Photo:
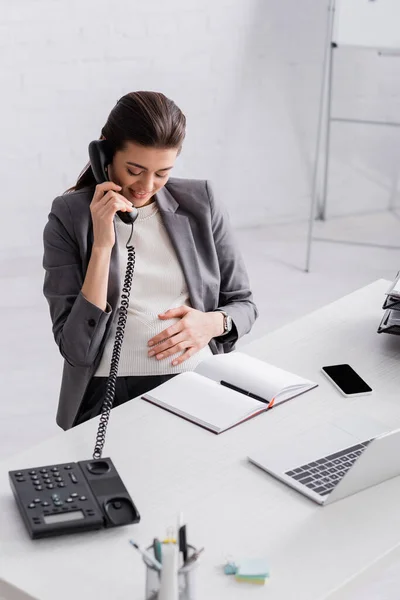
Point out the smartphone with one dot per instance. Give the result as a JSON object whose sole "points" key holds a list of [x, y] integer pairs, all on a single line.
{"points": [[99, 155], [346, 380]]}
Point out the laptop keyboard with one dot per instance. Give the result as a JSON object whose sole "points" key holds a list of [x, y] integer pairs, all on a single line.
{"points": [[324, 474]]}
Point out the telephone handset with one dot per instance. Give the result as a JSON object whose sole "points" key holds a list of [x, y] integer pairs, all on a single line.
{"points": [[99, 155], [74, 497]]}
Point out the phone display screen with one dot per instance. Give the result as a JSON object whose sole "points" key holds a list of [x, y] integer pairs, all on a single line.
{"points": [[63, 517], [347, 379]]}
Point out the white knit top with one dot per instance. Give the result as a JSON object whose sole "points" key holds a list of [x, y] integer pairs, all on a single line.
{"points": [[158, 284]]}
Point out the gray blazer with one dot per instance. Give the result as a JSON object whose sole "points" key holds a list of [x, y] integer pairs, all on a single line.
{"points": [[201, 235]]}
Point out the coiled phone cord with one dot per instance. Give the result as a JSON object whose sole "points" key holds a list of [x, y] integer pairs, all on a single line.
{"points": [[116, 353]]}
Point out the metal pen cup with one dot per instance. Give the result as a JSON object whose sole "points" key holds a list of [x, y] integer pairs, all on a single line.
{"points": [[186, 577]]}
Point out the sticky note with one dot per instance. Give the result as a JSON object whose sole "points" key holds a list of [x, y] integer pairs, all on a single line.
{"points": [[253, 567], [254, 580]]}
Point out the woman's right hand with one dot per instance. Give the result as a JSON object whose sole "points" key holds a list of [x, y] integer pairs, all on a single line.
{"points": [[105, 203]]}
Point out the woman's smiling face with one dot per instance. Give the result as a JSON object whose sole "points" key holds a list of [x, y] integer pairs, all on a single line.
{"points": [[141, 171]]}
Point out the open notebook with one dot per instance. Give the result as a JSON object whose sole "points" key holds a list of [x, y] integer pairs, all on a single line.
{"points": [[227, 389]]}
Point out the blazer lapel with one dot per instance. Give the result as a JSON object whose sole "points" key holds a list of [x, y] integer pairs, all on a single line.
{"points": [[181, 236]]}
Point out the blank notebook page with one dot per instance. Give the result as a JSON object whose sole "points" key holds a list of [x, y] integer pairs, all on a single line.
{"points": [[204, 401]]}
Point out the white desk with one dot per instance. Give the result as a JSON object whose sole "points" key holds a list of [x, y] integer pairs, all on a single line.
{"points": [[231, 507], [379, 581]]}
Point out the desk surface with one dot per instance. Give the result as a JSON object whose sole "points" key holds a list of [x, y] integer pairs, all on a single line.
{"points": [[231, 507], [378, 581]]}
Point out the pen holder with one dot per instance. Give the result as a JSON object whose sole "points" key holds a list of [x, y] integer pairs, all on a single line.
{"points": [[186, 578]]}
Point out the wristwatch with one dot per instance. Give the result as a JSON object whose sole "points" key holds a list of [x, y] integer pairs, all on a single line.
{"points": [[227, 322]]}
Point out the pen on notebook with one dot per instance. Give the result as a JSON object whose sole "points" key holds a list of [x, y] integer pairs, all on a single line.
{"points": [[242, 391], [147, 555]]}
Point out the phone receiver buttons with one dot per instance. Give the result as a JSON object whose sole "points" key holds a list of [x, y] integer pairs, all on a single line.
{"points": [[73, 477], [120, 511]]}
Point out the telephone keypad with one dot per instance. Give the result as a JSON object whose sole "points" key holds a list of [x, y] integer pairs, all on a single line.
{"points": [[50, 477], [57, 503]]}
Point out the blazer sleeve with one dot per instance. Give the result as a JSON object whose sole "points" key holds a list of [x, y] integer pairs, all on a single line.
{"points": [[235, 296], [78, 325]]}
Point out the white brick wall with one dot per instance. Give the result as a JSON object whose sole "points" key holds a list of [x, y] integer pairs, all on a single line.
{"points": [[245, 72]]}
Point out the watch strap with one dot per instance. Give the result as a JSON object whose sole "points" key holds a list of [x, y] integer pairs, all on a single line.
{"points": [[227, 322]]}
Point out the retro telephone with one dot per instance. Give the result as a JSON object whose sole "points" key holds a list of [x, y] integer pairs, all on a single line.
{"points": [[89, 494]]}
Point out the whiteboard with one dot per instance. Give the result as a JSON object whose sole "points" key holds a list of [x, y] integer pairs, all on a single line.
{"points": [[367, 23]]}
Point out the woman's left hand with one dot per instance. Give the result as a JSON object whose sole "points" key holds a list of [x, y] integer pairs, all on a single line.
{"points": [[189, 335]]}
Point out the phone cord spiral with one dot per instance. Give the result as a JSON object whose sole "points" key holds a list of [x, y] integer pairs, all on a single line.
{"points": [[116, 354]]}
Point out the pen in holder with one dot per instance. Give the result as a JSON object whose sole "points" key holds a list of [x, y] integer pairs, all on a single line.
{"points": [[185, 579]]}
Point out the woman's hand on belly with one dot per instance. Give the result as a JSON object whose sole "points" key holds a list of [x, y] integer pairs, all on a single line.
{"points": [[191, 333]]}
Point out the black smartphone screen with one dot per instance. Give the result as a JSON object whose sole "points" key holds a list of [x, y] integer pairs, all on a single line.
{"points": [[347, 379]]}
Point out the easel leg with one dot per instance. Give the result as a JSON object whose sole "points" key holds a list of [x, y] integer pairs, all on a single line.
{"points": [[321, 213], [326, 64]]}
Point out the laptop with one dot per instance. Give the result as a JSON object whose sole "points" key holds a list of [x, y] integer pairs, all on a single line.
{"points": [[335, 461]]}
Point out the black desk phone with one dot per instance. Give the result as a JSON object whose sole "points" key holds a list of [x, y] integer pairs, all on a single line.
{"points": [[72, 497], [89, 494]]}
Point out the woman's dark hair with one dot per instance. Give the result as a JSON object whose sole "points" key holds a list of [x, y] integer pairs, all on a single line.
{"points": [[147, 118]]}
